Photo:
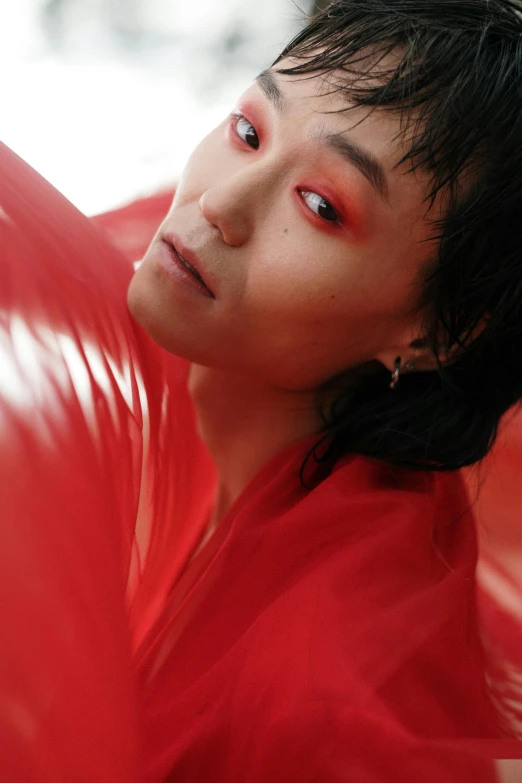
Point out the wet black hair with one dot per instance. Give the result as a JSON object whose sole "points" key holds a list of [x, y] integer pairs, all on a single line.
{"points": [[453, 70]]}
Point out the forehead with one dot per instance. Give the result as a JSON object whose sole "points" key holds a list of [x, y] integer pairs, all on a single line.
{"points": [[329, 91]]}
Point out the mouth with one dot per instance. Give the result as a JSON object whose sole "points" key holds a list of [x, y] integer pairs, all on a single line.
{"points": [[188, 261]]}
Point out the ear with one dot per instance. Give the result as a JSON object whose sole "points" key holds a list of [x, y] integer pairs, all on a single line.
{"points": [[417, 356], [412, 349]]}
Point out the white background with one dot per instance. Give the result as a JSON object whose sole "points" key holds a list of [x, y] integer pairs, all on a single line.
{"points": [[106, 98]]}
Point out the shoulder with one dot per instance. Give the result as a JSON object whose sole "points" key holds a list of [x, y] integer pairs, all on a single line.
{"points": [[386, 610], [406, 546], [395, 603], [417, 513]]}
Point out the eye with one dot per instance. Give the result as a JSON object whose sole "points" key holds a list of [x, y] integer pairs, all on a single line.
{"points": [[320, 206], [246, 131]]}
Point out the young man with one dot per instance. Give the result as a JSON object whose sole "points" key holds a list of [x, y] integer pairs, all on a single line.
{"points": [[353, 225]]}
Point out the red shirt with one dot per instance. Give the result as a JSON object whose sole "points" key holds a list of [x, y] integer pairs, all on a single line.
{"points": [[323, 635]]}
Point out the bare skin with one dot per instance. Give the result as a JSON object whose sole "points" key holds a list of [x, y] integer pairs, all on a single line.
{"points": [[313, 254]]}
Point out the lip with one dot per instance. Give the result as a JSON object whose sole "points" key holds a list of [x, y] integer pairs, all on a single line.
{"points": [[187, 255]]}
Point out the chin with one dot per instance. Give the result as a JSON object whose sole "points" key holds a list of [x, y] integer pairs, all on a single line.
{"points": [[140, 306], [146, 311], [157, 320]]}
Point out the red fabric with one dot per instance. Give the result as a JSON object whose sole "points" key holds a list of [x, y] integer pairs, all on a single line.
{"points": [[495, 490], [319, 636], [324, 635], [70, 461]]}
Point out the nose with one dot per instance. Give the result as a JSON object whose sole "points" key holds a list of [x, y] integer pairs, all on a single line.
{"points": [[229, 207]]}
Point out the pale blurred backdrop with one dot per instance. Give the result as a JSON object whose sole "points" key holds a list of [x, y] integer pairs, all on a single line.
{"points": [[106, 98]]}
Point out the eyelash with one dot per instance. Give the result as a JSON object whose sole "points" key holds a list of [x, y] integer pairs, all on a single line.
{"points": [[235, 119]]}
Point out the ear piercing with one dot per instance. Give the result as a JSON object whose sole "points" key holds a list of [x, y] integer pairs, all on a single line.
{"points": [[408, 365], [396, 373]]}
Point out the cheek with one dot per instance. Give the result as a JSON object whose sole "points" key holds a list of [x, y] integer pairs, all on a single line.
{"points": [[306, 284], [307, 317], [301, 329]]}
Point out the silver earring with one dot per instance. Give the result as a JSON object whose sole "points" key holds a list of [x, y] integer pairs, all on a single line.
{"points": [[396, 373]]}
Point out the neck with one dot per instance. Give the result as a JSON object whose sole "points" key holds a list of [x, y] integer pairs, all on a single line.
{"points": [[244, 423]]}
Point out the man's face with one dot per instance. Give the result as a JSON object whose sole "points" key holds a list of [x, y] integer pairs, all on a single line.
{"points": [[308, 237]]}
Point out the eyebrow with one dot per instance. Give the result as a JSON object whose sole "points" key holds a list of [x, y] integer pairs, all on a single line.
{"points": [[348, 150], [267, 83], [363, 160]]}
